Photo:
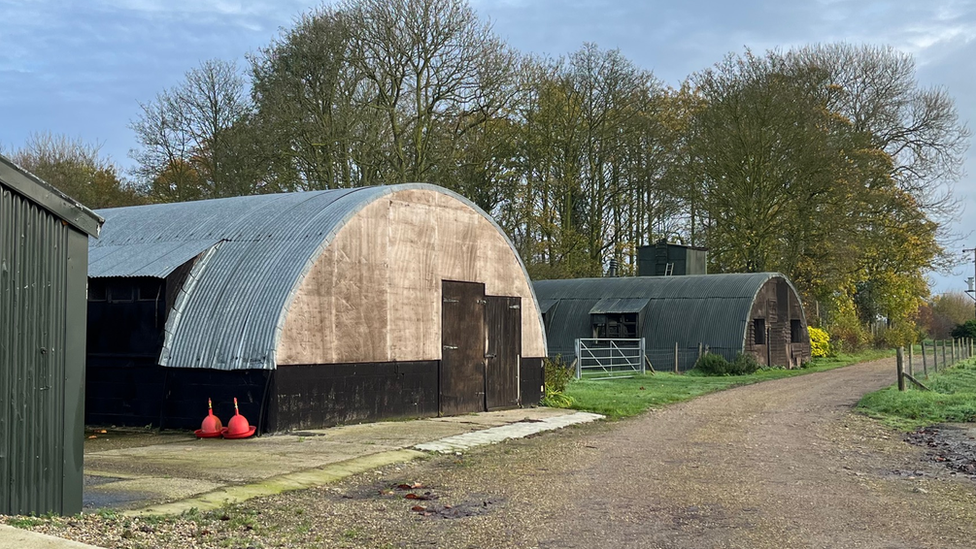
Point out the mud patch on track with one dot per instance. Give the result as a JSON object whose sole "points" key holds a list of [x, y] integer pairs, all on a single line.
{"points": [[421, 499], [951, 446]]}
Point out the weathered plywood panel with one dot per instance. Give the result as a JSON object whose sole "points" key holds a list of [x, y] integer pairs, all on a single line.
{"points": [[414, 278], [361, 288], [312, 310], [778, 305], [374, 295]]}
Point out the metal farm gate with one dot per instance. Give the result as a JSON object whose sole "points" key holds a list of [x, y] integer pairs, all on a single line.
{"points": [[605, 358]]}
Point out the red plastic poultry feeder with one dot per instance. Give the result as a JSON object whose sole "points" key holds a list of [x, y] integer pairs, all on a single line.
{"points": [[211, 426], [238, 426]]}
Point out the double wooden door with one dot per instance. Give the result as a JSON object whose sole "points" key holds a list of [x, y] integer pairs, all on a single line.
{"points": [[481, 346]]}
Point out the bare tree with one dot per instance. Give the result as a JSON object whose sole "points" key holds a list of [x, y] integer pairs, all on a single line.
{"points": [[186, 150], [427, 66], [876, 89]]}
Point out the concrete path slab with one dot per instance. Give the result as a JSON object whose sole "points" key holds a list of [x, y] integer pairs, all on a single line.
{"points": [[498, 434], [184, 472], [15, 538]]}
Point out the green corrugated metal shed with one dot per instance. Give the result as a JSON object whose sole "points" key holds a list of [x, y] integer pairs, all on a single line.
{"points": [[43, 277], [714, 310]]}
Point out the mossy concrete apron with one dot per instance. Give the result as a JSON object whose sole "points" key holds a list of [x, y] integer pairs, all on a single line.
{"points": [[169, 478]]}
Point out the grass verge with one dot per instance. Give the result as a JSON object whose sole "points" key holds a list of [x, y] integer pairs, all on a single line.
{"points": [[619, 398], [952, 399]]}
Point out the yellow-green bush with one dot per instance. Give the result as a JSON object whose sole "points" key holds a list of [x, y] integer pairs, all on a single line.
{"points": [[819, 343]]}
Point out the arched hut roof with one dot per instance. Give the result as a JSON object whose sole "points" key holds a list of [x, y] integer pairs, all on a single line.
{"points": [[688, 310], [252, 254]]}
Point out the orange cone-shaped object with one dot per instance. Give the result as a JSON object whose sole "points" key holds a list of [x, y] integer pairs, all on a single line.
{"points": [[238, 427], [211, 426]]}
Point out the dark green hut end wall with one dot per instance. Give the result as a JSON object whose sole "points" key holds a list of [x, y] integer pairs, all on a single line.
{"points": [[76, 317], [43, 270]]}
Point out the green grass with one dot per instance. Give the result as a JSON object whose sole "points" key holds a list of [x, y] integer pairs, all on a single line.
{"points": [[25, 522], [624, 397], [952, 399]]}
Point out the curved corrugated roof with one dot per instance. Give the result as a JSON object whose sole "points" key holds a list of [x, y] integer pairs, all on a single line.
{"points": [[709, 309], [255, 250]]}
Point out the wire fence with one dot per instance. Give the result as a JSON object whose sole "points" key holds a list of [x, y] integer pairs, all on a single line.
{"points": [[931, 356], [594, 361]]}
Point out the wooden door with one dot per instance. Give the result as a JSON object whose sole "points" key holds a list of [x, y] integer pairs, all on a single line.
{"points": [[462, 366], [504, 320]]}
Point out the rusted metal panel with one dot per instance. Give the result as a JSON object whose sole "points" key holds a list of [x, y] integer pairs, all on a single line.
{"points": [[43, 262], [504, 322], [462, 366]]}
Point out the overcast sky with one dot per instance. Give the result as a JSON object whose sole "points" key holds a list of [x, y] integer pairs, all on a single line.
{"points": [[81, 68]]}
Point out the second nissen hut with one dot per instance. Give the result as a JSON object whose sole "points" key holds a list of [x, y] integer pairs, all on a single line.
{"points": [[313, 309], [729, 314]]}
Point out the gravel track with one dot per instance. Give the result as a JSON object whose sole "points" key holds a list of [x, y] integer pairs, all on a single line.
{"points": [[778, 464]]}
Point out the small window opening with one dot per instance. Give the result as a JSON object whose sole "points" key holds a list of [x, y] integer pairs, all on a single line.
{"points": [[759, 327], [615, 325], [796, 331], [96, 290], [149, 290], [120, 293]]}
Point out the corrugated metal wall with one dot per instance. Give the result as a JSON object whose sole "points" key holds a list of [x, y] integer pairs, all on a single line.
{"points": [[42, 276]]}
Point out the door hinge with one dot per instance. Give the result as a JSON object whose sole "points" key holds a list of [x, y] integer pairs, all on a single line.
{"points": [[449, 300], [482, 301], [514, 306], [451, 347], [491, 356]]}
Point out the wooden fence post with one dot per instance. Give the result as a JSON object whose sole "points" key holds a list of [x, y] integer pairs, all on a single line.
{"points": [[925, 366], [943, 356], [911, 355], [901, 368], [675, 357], [699, 350]]}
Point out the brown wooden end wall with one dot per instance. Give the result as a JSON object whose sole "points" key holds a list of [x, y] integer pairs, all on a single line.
{"points": [[778, 307]]}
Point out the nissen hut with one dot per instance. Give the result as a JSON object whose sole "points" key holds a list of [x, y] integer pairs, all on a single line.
{"points": [[313, 309], [728, 314]]}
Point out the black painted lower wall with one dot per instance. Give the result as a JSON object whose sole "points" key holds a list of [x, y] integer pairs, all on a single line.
{"points": [[531, 378], [313, 396], [134, 391]]}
